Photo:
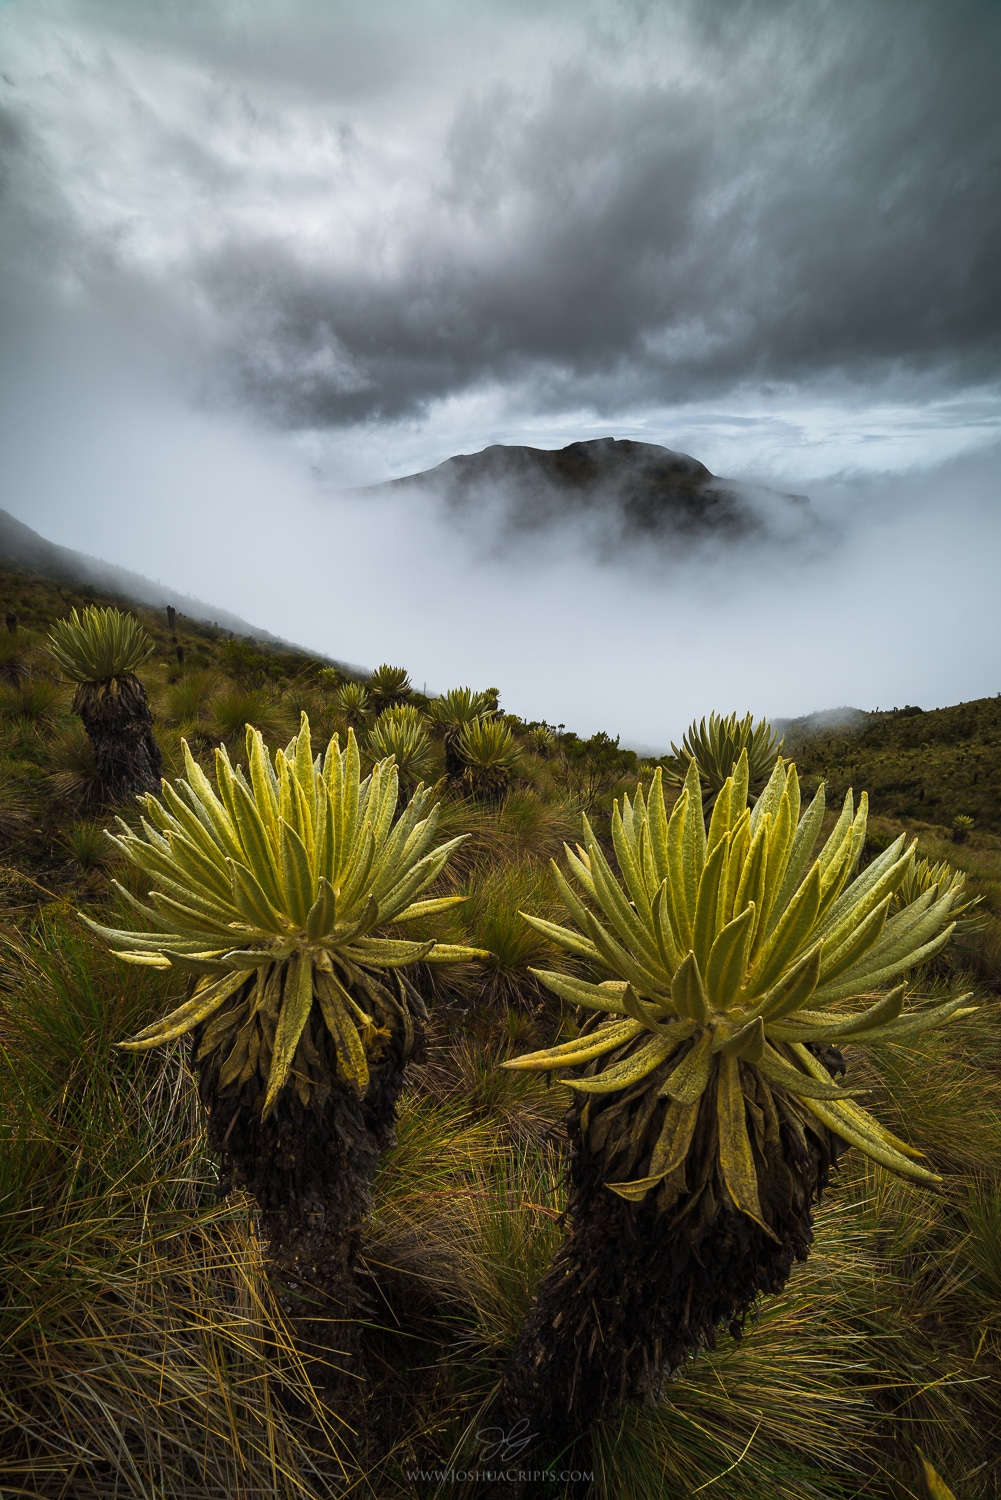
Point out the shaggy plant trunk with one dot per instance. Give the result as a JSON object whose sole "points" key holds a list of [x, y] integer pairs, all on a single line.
{"points": [[119, 725], [311, 1166], [455, 766], [638, 1288]]}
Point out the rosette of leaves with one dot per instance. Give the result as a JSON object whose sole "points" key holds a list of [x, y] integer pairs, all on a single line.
{"points": [[389, 686], [452, 712], [352, 701], [100, 652], [923, 876], [271, 893], [704, 1122], [716, 746], [488, 752], [402, 733], [542, 739]]}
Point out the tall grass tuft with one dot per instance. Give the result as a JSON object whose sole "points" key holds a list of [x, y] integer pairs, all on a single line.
{"points": [[188, 698], [492, 916], [73, 775], [87, 845], [142, 1350], [36, 699], [235, 708]]}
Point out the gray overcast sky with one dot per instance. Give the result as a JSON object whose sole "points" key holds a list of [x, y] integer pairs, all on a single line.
{"points": [[254, 250]]}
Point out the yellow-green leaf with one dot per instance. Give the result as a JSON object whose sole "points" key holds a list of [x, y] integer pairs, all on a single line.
{"points": [[688, 993], [294, 1014], [688, 1081], [735, 1155]]}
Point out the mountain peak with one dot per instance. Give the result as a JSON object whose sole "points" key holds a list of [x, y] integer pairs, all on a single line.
{"points": [[634, 487]]}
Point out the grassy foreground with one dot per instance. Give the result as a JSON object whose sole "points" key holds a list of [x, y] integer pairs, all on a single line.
{"points": [[143, 1351]]}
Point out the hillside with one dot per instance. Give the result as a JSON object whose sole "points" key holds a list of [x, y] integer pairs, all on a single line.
{"points": [[931, 765], [637, 489], [146, 1342], [23, 550]]}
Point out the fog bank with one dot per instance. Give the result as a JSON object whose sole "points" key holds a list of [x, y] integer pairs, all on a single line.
{"points": [[898, 603]]}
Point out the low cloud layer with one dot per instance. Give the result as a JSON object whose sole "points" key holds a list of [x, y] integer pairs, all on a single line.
{"points": [[351, 214], [898, 606]]}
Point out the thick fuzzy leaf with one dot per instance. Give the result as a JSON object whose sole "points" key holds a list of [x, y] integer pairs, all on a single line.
{"points": [[667, 946], [628, 856], [430, 908], [203, 1003], [727, 964], [606, 996], [295, 1009], [858, 941], [687, 1083], [388, 953], [722, 819], [657, 826], [827, 1026], [334, 1002], [297, 877], [913, 1025], [789, 936], [735, 1156], [456, 953], [677, 892], [803, 1085], [864, 892], [863, 978], [837, 1120], [650, 1016], [582, 1049], [747, 1042], [623, 1074], [675, 1138], [251, 901], [622, 962], [693, 840], [706, 905], [688, 993], [794, 989], [322, 916]]}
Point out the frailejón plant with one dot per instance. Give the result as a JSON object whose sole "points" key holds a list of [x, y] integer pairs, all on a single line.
{"points": [[271, 891], [923, 876], [457, 707], [716, 748], [99, 647], [402, 733], [389, 685], [704, 1119], [353, 702], [488, 752], [100, 651], [452, 712]]}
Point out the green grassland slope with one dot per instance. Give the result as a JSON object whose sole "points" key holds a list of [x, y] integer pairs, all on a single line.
{"points": [[930, 765], [143, 1346]]}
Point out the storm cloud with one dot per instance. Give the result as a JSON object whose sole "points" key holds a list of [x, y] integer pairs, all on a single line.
{"points": [[333, 214]]}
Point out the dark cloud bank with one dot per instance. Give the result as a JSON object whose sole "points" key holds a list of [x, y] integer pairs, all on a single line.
{"points": [[629, 205]]}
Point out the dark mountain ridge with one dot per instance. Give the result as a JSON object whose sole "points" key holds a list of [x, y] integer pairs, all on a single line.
{"points": [[647, 489]]}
